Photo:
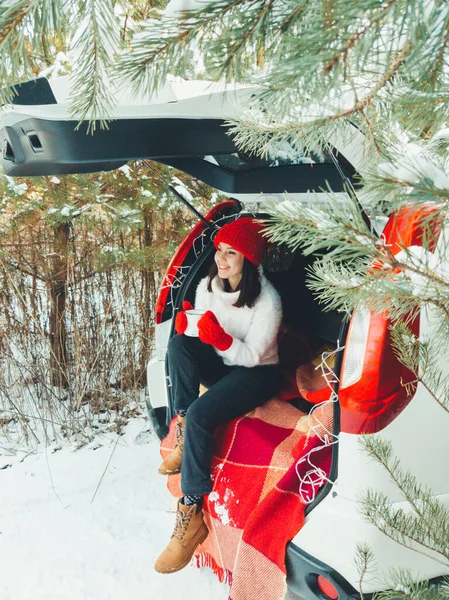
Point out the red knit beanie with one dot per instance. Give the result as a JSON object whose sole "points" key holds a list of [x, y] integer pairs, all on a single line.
{"points": [[243, 235]]}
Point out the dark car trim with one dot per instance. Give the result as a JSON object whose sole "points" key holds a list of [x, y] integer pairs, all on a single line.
{"points": [[65, 149], [271, 180], [303, 570], [35, 146], [35, 92]]}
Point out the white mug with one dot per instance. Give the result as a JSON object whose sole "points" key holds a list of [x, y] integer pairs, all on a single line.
{"points": [[193, 316]]}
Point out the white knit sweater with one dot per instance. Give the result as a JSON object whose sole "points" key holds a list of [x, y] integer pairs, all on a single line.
{"points": [[254, 330]]}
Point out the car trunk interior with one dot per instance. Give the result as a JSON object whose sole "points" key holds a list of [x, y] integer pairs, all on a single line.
{"points": [[307, 331], [287, 271]]}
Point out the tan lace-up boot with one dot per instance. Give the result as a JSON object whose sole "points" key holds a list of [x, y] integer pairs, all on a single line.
{"points": [[190, 531], [172, 464]]}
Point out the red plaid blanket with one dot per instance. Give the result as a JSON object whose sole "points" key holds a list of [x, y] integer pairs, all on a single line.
{"points": [[255, 506]]}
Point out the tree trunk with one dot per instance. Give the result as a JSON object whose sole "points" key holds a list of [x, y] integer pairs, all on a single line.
{"points": [[58, 297], [148, 299]]}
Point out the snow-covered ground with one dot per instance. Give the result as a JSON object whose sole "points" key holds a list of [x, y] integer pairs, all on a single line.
{"points": [[61, 538]]}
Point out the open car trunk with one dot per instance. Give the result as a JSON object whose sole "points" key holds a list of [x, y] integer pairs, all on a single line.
{"points": [[254, 462], [307, 329], [184, 126]]}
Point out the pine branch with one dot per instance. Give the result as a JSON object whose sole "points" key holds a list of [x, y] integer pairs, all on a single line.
{"points": [[12, 18], [294, 16], [372, 132], [94, 50], [438, 64], [265, 7], [23, 25], [401, 583], [398, 527], [355, 38], [365, 563], [421, 358], [428, 526], [160, 47], [250, 132], [358, 267]]}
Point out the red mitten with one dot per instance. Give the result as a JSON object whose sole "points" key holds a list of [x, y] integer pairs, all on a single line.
{"points": [[181, 318], [211, 332]]}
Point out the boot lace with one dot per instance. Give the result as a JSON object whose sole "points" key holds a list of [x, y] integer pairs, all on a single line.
{"points": [[182, 523], [179, 431]]}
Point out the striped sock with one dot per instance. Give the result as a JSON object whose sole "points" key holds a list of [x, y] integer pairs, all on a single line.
{"points": [[191, 500]]}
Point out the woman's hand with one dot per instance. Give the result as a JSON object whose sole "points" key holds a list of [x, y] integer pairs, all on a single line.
{"points": [[211, 332], [181, 318]]}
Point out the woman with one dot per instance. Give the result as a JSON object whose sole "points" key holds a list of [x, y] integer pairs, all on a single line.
{"points": [[235, 356]]}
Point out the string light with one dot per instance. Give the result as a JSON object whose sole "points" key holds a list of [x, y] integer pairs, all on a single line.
{"points": [[174, 280], [315, 476]]}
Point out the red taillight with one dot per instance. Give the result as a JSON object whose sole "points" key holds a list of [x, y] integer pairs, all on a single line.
{"points": [[406, 228], [381, 393], [377, 386], [173, 273], [327, 588]]}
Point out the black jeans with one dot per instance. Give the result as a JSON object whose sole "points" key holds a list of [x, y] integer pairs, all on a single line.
{"points": [[233, 391]]}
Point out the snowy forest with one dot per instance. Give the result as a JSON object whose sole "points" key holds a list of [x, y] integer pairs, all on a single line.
{"points": [[82, 259]]}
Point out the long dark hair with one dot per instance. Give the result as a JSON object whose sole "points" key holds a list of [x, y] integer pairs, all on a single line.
{"points": [[249, 286]]}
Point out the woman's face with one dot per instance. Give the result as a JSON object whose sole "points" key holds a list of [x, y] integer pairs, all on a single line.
{"points": [[230, 264]]}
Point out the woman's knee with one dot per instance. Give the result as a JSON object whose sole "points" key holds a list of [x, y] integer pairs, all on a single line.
{"points": [[198, 414], [177, 345]]}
